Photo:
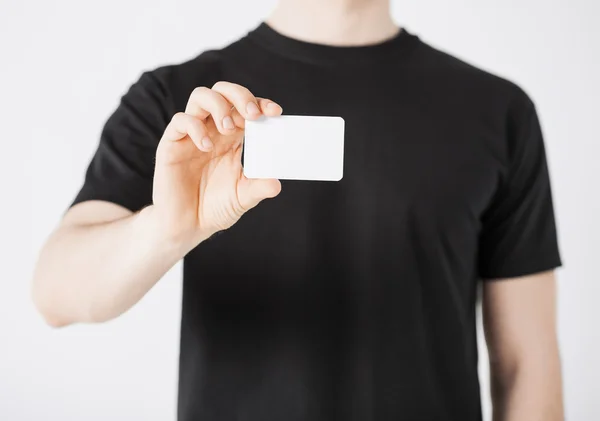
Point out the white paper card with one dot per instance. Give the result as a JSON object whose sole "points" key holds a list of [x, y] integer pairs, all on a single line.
{"points": [[295, 148]]}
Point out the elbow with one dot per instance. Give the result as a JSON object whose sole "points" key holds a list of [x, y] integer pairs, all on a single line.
{"points": [[47, 307], [54, 322], [57, 313]]}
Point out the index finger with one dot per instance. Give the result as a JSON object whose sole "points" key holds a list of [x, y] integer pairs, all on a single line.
{"points": [[241, 98]]}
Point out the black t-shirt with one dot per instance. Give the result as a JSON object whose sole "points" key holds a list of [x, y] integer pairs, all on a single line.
{"points": [[350, 300]]}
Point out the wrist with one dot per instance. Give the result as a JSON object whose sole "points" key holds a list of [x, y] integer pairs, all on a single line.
{"points": [[171, 242]]}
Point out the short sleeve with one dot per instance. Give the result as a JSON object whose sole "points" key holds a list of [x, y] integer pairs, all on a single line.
{"points": [[122, 167], [518, 235]]}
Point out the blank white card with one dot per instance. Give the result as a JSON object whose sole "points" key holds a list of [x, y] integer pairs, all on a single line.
{"points": [[295, 148]]}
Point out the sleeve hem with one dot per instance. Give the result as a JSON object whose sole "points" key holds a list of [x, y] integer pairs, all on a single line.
{"points": [[128, 201], [524, 269]]}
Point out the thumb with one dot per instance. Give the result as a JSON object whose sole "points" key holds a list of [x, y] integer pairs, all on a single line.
{"points": [[252, 191]]}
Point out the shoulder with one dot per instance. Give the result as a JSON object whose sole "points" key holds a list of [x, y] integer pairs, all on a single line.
{"points": [[174, 83], [480, 87]]}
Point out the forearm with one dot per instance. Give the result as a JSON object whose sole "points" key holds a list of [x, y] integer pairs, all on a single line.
{"points": [[96, 272], [528, 391]]}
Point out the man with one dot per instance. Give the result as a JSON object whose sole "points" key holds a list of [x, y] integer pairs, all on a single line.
{"points": [[334, 301]]}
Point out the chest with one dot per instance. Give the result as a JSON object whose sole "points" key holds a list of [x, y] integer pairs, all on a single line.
{"points": [[410, 158]]}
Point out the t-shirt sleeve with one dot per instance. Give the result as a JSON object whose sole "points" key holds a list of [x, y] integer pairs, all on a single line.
{"points": [[122, 167], [518, 235]]}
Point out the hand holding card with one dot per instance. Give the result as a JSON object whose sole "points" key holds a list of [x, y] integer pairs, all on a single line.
{"points": [[295, 148], [198, 185]]}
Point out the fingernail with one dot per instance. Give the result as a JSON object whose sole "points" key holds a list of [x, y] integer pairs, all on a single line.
{"points": [[272, 105], [206, 143], [252, 109], [228, 123]]}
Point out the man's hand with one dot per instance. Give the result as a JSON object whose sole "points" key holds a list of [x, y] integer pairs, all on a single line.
{"points": [[199, 187]]}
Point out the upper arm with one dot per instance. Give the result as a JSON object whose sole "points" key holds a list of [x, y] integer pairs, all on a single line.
{"points": [[122, 168], [119, 179], [518, 244], [518, 251], [518, 231]]}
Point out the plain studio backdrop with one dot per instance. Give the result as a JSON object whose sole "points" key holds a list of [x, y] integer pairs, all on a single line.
{"points": [[65, 64]]}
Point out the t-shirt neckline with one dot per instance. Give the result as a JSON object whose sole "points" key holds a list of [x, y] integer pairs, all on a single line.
{"points": [[395, 47]]}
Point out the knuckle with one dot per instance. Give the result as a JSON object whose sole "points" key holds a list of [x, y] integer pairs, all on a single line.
{"points": [[179, 116], [198, 91], [220, 84], [233, 89], [243, 92]]}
